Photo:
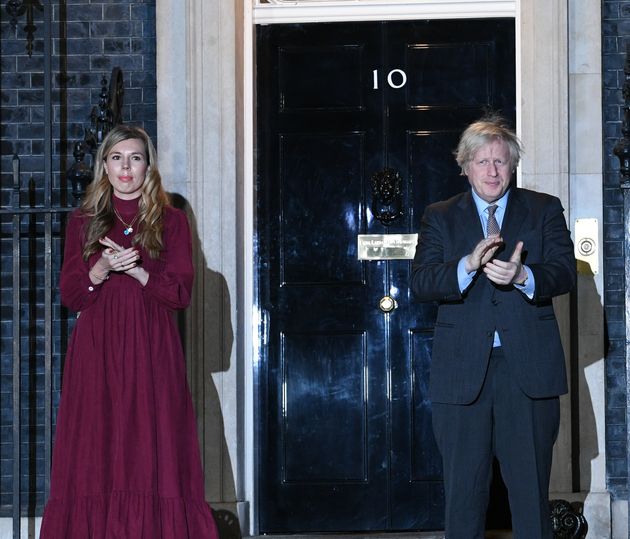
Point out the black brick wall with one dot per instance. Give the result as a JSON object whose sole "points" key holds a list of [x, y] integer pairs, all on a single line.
{"points": [[89, 39], [615, 36]]}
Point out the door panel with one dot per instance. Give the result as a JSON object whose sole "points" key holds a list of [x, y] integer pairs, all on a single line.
{"points": [[325, 393], [303, 88], [448, 74], [346, 442], [305, 223]]}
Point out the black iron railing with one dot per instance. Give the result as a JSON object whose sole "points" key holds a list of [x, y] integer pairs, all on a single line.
{"points": [[35, 326]]}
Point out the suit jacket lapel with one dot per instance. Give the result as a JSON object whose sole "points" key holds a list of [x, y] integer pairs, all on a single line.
{"points": [[468, 221], [515, 215]]}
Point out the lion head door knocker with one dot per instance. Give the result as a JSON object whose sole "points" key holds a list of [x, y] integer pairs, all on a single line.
{"points": [[387, 196]]}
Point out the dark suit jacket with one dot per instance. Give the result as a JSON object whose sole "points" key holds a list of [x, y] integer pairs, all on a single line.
{"points": [[466, 322]]}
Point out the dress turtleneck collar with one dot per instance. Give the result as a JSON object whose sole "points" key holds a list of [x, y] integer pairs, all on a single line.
{"points": [[126, 206]]}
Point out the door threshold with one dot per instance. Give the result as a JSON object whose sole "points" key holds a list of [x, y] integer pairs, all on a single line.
{"points": [[356, 535], [490, 534]]}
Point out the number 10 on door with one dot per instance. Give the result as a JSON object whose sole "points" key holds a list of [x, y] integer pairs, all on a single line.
{"points": [[396, 79]]}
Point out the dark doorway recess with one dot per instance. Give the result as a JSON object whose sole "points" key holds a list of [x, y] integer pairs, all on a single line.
{"points": [[345, 437]]}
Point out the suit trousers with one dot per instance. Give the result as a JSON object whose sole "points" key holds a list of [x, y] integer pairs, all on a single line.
{"points": [[506, 423]]}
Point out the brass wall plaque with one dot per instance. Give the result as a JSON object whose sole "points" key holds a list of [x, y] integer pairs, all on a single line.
{"points": [[387, 246]]}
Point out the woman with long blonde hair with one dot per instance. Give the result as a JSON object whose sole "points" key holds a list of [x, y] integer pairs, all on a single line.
{"points": [[126, 460]]}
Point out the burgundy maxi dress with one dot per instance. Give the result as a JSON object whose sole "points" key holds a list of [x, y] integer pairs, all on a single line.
{"points": [[126, 461]]}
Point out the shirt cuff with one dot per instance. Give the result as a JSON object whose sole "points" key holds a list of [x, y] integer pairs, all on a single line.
{"points": [[463, 277], [529, 287]]}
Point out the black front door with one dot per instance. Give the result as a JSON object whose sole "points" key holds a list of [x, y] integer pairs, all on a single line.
{"points": [[345, 440]]}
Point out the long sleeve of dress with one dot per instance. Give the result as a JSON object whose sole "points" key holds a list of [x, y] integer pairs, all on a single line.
{"points": [[77, 290], [172, 285]]}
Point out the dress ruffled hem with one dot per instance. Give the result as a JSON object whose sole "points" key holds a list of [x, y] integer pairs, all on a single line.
{"points": [[127, 515]]}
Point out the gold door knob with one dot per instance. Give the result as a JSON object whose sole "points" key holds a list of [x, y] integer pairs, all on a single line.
{"points": [[387, 304]]}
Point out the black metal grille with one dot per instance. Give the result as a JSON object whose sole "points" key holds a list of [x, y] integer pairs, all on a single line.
{"points": [[54, 54], [35, 327]]}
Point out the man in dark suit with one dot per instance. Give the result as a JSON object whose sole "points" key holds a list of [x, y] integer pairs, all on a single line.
{"points": [[493, 258]]}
